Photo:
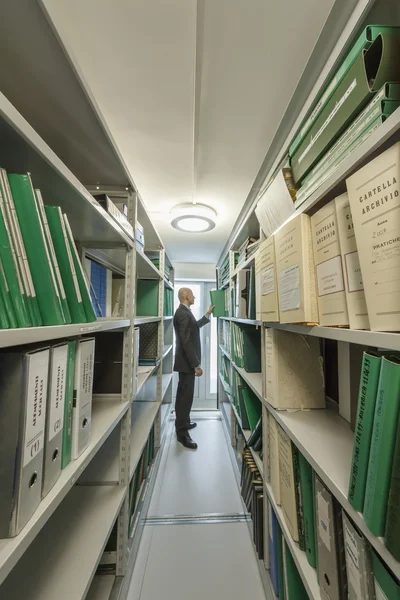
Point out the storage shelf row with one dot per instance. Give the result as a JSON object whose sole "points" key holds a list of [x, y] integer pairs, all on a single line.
{"points": [[105, 417], [143, 415]]}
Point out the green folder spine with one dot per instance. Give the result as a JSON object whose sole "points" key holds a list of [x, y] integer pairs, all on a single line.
{"points": [[307, 500], [368, 36], [252, 407], [218, 301], [53, 256], [46, 290], [69, 393], [20, 253], [382, 446], [67, 269], [256, 434], [298, 498], [385, 583], [147, 298], [369, 380], [83, 284], [392, 533], [368, 73], [251, 349], [11, 273], [4, 296], [295, 585], [242, 407]]}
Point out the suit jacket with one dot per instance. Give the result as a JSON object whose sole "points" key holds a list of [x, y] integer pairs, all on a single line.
{"points": [[187, 335]]}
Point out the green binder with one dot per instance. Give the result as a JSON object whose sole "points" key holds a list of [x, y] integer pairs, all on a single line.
{"points": [[242, 406], [252, 407], [66, 265], [295, 585], [256, 434], [83, 284], [366, 38], [69, 393], [392, 532], [147, 298], [382, 446], [386, 585], [307, 499], [52, 255], [369, 72], [369, 380], [298, 498], [20, 252], [251, 349], [19, 317], [5, 302], [28, 217], [218, 300]]}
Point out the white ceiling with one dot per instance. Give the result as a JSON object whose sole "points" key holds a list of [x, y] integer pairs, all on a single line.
{"points": [[192, 92]]}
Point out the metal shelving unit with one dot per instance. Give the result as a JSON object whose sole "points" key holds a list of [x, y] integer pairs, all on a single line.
{"points": [[90, 500]]}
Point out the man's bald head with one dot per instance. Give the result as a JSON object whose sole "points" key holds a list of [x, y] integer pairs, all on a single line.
{"points": [[185, 296]]}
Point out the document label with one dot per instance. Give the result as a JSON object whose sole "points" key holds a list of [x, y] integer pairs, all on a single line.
{"points": [[268, 281], [352, 562], [354, 277], [323, 521], [289, 288], [57, 391], [330, 276], [35, 417]]}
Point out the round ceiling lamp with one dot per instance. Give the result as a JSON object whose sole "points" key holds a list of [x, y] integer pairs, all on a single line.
{"points": [[193, 218]]}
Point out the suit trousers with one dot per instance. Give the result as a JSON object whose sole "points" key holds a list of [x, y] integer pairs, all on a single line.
{"points": [[184, 401]]}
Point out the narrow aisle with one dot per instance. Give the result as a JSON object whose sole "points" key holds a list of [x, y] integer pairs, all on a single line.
{"points": [[184, 556]]}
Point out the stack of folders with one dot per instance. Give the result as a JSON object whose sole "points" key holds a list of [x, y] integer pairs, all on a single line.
{"points": [[244, 294], [246, 403], [45, 418], [246, 347], [350, 108], [101, 287], [332, 543], [224, 273], [168, 303], [247, 249], [41, 277], [157, 263], [376, 453], [140, 475], [252, 490]]}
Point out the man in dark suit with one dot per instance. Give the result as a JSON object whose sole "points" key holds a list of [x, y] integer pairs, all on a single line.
{"points": [[187, 363]]}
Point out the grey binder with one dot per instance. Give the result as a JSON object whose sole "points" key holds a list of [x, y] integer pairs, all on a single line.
{"points": [[331, 558], [358, 563], [54, 416], [23, 394], [82, 402]]}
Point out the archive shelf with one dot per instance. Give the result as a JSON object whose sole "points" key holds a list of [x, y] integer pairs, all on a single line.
{"points": [[326, 441], [105, 417], [101, 587], [246, 432], [143, 415], [166, 350], [225, 386], [144, 374], [258, 461], [144, 320], [307, 573], [34, 335], [254, 380], [145, 268], [224, 351], [78, 531]]}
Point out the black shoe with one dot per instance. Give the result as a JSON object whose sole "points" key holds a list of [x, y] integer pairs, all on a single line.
{"points": [[192, 425], [187, 441]]}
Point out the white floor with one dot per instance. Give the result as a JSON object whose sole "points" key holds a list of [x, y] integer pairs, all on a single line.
{"points": [[197, 561]]}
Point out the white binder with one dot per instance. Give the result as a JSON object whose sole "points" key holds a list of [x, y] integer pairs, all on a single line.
{"points": [[54, 416], [23, 393], [82, 402]]}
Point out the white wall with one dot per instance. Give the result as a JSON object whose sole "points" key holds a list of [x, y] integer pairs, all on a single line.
{"points": [[194, 271]]}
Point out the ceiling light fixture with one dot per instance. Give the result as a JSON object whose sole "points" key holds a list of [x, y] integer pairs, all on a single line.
{"points": [[193, 218]]}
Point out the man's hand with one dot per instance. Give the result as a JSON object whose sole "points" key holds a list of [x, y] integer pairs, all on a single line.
{"points": [[210, 309], [198, 372]]}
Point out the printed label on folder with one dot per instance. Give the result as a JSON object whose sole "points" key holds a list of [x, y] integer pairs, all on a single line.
{"points": [[330, 276], [289, 288], [353, 268], [36, 405], [323, 521], [57, 392], [352, 562], [268, 281]]}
